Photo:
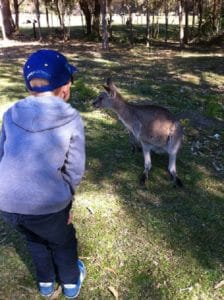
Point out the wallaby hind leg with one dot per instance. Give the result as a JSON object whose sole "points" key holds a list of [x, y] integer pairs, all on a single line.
{"points": [[135, 145], [147, 163], [142, 179], [172, 170], [179, 182], [144, 176], [175, 179]]}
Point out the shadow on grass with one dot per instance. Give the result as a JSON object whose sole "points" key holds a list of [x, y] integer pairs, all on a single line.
{"points": [[189, 220], [9, 237]]}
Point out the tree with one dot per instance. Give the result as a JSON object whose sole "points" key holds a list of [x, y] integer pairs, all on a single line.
{"points": [[216, 15], [166, 6], [200, 15], [110, 18], [37, 11], [186, 27], [16, 5], [8, 26], [46, 4], [181, 26], [147, 23], [166, 11], [130, 5], [193, 15], [105, 44], [96, 16], [86, 8]]}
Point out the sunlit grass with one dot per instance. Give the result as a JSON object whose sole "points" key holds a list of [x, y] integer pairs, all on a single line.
{"points": [[190, 78], [213, 79], [152, 242], [106, 62]]}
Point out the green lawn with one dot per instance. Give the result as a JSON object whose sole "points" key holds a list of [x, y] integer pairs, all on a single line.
{"points": [[152, 242]]}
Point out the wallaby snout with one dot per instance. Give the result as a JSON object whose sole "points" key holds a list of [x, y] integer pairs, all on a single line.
{"points": [[104, 100], [98, 101]]}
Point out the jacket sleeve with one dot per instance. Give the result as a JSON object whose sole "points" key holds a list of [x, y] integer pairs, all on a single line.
{"points": [[2, 140], [74, 165]]}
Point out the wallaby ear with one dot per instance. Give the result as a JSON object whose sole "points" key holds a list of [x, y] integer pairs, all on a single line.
{"points": [[109, 81], [106, 88], [110, 90], [111, 84]]}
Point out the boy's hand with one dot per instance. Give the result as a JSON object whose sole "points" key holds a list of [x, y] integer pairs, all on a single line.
{"points": [[70, 217]]}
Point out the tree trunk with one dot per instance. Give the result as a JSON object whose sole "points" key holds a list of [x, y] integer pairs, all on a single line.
{"points": [[16, 5], [200, 15], [58, 13], [216, 15], [96, 20], [157, 27], [85, 8], [130, 25], [16, 10], [153, 23], [221, 15], [60, 8], [166, 19], [2, 24], [147, 24], [181, 27], [47, 14], [105, 43], [37, 11], [193, 17], [186, 27], [7, 25], [82, 20], [110, 19]]}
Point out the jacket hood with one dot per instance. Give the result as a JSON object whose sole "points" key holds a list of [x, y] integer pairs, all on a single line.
{"points": [[42, 113]]}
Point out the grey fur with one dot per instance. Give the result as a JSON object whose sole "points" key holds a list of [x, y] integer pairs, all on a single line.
{"points": [[153, 127]]}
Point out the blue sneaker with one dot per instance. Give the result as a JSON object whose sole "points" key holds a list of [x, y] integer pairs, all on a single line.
{"points": [[46, 289], [71, 291]]}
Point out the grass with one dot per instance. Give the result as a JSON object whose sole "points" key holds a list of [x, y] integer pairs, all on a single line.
{"points": [[152, 242]]}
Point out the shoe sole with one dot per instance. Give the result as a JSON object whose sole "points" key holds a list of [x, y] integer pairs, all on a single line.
{"points": [[84, 275], [47, 296]]}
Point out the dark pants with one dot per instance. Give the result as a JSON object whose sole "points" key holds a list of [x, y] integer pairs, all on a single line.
{"points": [[52, 244]]}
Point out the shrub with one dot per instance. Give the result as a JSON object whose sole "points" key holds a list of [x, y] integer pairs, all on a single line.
{"points": [[83, 92], [214, 109]]}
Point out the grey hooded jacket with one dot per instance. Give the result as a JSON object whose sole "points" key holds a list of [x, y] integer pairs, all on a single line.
{"points": [[42, 156]]}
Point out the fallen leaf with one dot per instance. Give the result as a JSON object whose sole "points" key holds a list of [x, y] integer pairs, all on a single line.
{"points": [[219, 285], [88, 257], [113, 291], [90, 210], [111, 270], [56, 294], [188, 289], [217, 167]]}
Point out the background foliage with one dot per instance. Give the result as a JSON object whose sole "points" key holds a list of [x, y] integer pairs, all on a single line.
{"points": [[152, 242]]}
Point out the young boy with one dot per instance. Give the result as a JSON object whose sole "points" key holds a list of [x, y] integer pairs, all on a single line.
{"points": [[42, 160]]}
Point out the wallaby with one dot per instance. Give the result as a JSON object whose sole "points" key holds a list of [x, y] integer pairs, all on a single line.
{"points": [[153, 127]]}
